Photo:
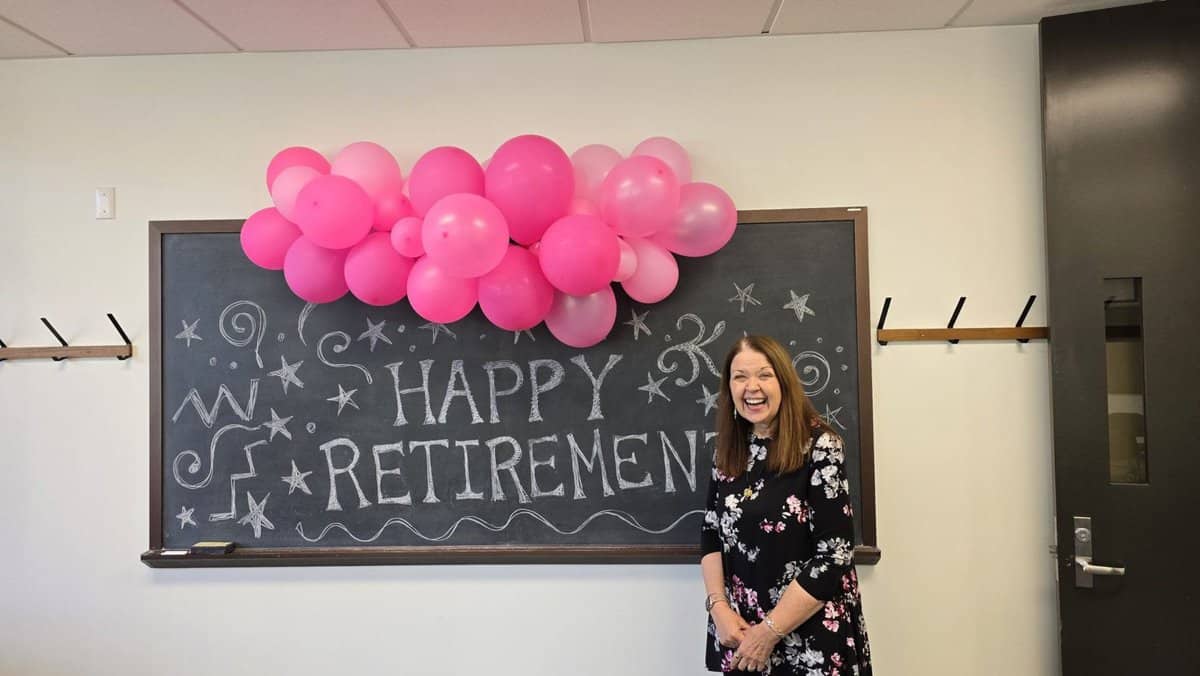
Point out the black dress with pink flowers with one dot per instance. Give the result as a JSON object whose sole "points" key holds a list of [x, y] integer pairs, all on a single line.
{"points": [[774, 528]]}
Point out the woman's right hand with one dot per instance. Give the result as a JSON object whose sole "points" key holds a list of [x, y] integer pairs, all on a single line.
{"points": [[730, 626]]}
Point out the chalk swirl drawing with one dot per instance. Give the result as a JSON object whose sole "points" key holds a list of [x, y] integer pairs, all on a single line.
{"points": [[692, 349], [238, 323], [308, 308], [194, 466], [815, 377], [338, 349]]}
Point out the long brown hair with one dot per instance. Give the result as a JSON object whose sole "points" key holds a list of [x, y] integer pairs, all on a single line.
{"points": [[794, 423]]}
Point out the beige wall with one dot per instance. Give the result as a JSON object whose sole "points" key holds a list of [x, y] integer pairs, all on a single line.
{"points": [[936, 132]]}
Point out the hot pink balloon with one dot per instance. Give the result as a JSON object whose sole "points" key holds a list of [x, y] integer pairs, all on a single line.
{"points": [[628, 264], [334, 212], [670, 152], [582, 321], [592, 163], [443, 171], [466, 234], [296, 156], [266, 237], [371, 166], [287, 187], [515, 295], [406, 237], [656, 275], [704, 223], [531, 181], [390, 208], [313, 273], [581, 205], [640, 196], [579, 254], [375, 273], [440, 297]]}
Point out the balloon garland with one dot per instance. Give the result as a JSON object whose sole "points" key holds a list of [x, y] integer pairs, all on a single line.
{"points": [[532, 235]]}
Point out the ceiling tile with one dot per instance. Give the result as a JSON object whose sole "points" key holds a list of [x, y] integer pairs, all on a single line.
{"points": [[297, 25], [997, 12], [630, 20], [104, 27], [456, 23], [851, 16], [17, 44]]}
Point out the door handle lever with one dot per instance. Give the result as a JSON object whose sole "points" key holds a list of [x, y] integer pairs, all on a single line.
{"points": [[1088, 568], [1084, 568]]}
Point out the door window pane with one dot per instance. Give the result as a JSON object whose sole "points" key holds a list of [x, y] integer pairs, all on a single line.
{"points": [[1127, 449]]}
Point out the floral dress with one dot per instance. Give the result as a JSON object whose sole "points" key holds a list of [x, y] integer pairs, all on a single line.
{"points": [[774, 528]]}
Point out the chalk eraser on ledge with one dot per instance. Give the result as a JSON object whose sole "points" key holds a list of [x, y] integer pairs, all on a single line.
{"points": [[212, 547]]}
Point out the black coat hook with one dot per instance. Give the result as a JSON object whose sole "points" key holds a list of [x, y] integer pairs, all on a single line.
{"points": [[124, 337], [887, 303], [954, 317], [1021, 320], [60, 338], [2, 345]]}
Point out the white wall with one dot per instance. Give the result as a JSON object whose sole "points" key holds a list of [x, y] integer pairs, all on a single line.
{"points": [[936, 132]]}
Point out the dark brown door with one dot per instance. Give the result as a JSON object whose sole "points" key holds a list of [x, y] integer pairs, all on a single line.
{"points": [[1121, 105]]}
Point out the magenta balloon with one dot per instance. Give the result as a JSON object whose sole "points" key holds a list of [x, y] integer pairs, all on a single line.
{"points": [[334, 212], [371, 166], [670, 152], [443, 171], [406, 237], [296, 156], [579, 254], [703, 224], [640, 196], [266, 237], [582, 321], [531, 181], [313, 273], [466, 234], [440, 297], [592, 163], [581, 205], [287, 187], [375, 273], [656, 275], [390, 208], [628, 264], [515, 295]]}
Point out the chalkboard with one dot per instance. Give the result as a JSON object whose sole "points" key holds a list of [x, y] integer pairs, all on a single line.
{"points": [[344, 433]]}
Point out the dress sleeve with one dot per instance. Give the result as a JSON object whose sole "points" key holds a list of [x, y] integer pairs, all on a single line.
{"points": [[710, 539], [831, 522]]}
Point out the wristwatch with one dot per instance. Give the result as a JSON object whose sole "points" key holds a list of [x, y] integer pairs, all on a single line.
{"points": [[712, 600]]}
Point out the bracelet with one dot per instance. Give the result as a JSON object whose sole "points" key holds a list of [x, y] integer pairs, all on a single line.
{"points": [[771, 625]]}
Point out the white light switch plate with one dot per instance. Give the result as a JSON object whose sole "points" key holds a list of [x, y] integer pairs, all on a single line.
{"points": [[106, 203]]}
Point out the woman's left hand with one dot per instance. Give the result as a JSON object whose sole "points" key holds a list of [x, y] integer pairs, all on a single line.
{"points": [[755, 649]]}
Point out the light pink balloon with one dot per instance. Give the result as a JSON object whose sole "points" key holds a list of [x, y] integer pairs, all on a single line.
{"points": [[443, 171], [531, 181], [390, 208], [440, 297], [581, 205], [334, 212], [296, 156], [640, 196], [592, 163], [313, 273], [656, 275], [287, 187], [582, 321], [406, 237], [703, 224], [670, 152], [371, 166], [466, 234], [628, 264], [579, 254], [266, 237], [515, 295], [375, 273]]}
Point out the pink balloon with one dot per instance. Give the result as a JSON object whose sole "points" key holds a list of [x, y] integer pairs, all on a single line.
{"points": [[390, 208], [582, 321], [531, 181], [313, 273], [581, 205], [266, 237], [628, 264], [371, 166], [656, 275], [406, 237], [640, 196], [703, 224], [536, 248], [592, 163], [443, 171], [670, 152], [375, 273], [440, 297], [296, 156], [287, 187], [334, 212], [579, 254], [515, 295], [466, 234]]}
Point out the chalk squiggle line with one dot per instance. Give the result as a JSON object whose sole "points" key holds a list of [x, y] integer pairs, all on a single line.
{"points": [[622, 516]]}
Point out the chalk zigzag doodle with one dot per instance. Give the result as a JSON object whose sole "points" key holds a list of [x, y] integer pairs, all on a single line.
{"points": [[236, 322], [195, 465]]}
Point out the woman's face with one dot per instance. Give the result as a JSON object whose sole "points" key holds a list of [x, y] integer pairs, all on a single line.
{"points": [[754, 388]]}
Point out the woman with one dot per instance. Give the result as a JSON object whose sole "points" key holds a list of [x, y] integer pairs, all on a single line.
{"points": [[778, 533]]}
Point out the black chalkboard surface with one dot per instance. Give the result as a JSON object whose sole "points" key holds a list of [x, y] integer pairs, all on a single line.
{"points": [[344, 433]]}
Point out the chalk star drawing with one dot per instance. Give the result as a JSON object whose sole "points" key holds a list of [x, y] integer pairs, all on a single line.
{"points": [[343, 397], [287, 374], [434, 329], [296, 480], [517, 335], [831, 416], [374, 332], [638, 323], [653, 387], [188, 333], [709, 399], [185, 517], [256, 519], [799, 305], [743, 296], [278, 425]]}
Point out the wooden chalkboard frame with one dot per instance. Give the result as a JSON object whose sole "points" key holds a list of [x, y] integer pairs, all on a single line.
{"points": [[157, 557]]}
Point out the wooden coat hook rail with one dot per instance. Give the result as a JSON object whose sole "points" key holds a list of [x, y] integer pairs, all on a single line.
{"points": [[1019, 333], [65, 351]]}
